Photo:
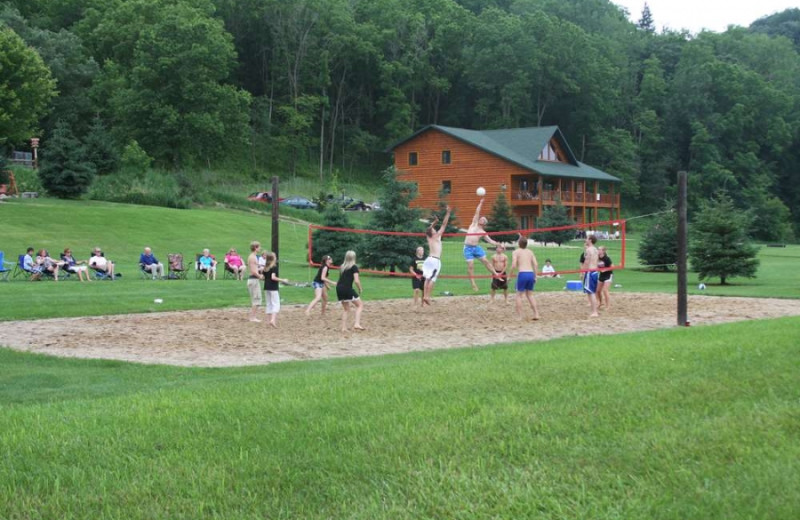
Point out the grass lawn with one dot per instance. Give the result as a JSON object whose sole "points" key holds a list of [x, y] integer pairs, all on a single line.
{"points": [[700, 422], [123, 230], [684, 423]]}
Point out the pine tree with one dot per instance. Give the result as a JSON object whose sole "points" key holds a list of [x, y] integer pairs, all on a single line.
{"points": [[555, 216], [334, 243], [391, 251], [100, 149], [502, 219], [659, 246], [65, 172], [719, 246], [646, 22]]}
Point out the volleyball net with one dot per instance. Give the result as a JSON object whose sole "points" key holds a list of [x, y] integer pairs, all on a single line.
{"points": [[392, 253]]}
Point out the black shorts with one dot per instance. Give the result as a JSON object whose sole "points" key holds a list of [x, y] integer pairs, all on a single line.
{"points": [[417, 283], [500, 283], [346, 294]]}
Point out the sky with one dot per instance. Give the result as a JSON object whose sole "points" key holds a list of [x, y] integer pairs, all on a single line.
{"points": [[714, 15]]}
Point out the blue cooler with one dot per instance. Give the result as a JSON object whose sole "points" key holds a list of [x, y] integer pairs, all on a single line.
{"points": [[574, 285]]}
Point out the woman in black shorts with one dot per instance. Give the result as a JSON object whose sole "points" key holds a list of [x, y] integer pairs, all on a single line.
{"points": [[348, 275], [604, 280], [320, 284]]}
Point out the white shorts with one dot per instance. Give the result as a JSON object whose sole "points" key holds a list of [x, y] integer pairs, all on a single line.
{"points": [[431, 268], [273, 299]]}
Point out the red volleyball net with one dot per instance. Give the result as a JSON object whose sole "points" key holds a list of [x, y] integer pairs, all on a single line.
{"points": [[558, 250]]}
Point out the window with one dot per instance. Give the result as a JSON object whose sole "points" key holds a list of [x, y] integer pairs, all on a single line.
{"points": [[525, 222], [445, 156], [550, 153], [446, 187], [412, 158]]}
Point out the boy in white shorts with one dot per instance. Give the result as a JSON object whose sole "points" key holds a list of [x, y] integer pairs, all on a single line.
{"points": [[433, 264]]}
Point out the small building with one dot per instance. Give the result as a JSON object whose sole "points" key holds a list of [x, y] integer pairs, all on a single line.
{"points": [[533, 166]]}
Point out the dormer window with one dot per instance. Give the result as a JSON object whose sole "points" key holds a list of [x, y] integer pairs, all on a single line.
{"points": [[412, 159], [549, 154]]}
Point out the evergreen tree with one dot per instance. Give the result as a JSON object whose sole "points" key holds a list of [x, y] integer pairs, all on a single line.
{"points": [[334, 243], [719, 246], [100, 149], [452, 224], [659, 246], [555, 216], [391, 251], [65, 172], [646, 23], [502, 219]]}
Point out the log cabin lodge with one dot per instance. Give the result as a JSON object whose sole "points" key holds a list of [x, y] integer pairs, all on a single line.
{"points": [[534, 167]]}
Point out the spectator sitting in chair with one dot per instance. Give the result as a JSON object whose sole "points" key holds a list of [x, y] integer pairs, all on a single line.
{"points": [[150, 264], [73, 266], [234, 264], [48, 265], [99, 263], [548, 271], [30, 266], [208, 265]]}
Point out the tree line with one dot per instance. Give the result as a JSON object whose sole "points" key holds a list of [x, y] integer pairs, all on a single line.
{"points": [[324, 86]]}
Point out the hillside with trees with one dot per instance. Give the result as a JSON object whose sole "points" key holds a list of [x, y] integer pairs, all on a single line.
{"points": [[316, 87]]}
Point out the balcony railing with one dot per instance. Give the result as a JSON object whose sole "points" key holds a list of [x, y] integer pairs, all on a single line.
{"points": [[566, 197]]}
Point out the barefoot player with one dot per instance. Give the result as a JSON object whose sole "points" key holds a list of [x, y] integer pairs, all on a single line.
{"points": [[433, 264], [500, 264], [524, 262], [253, 281], [472, 250], [590, 273]]}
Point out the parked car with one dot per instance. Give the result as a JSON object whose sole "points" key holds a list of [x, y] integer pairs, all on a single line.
{"points": [[299, 203], [263, 196]]}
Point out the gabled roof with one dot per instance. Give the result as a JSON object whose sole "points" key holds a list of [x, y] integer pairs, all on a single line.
{"points": [[522, 147]]}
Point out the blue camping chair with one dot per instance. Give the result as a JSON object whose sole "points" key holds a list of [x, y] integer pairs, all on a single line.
{"points": [[5, 271], [19, 269]]}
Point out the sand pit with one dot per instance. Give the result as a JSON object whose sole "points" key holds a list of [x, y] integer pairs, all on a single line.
{"points": [[226, 338]]}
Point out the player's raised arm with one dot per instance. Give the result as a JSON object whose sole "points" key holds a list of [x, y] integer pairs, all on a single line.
{"points": [[443, 227], [477, 213]]}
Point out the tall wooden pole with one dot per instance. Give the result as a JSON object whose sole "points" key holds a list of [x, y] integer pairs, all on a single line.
{"points": [[682, 249], [275, 214]]}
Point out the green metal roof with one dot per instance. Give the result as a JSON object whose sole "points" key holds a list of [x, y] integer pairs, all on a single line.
{"points": [[522, 147]]}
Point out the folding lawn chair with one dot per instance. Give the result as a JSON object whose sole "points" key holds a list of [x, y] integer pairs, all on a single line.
{"points": [[6, 268], [21, 272], [197, 272], [227, 272], [177, 269], [19, 269]]}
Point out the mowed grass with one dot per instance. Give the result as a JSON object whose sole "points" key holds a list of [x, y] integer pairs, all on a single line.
{"points": [[683, 423], [123, 230]]}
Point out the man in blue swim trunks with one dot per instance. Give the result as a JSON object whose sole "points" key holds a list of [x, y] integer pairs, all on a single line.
{"points": [[524, 262], [472, 250], [590, 273]]}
